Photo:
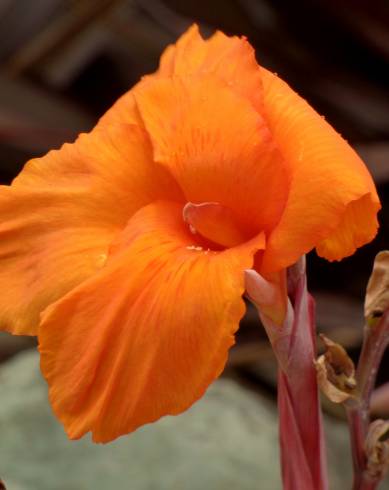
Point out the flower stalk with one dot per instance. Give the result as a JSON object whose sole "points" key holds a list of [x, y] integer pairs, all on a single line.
{"points": [[303, 457], [376, 340], [369, 441]]}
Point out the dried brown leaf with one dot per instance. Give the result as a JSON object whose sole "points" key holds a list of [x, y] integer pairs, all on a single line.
{"points": [[377, 449], [335, 372], [377, 293]]}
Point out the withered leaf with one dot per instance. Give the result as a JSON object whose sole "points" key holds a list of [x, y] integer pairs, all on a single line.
{"points": [[377, 293], [377, 449], [335, 372]]}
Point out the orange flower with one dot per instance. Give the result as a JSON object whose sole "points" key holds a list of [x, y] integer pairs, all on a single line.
{"points": [[125, 251]]}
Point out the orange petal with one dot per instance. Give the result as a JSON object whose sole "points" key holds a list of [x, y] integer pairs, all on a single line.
{"points": [[186, 56], [327, 176], [230, 59], [62, 212], [145, 336], [216, 146], [358, 225], [214, 222]]}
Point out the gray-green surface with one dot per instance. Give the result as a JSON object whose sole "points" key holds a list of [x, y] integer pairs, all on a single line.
{"points": [[228, 440]]}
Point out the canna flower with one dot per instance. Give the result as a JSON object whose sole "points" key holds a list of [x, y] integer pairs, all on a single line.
{"points": [[125, 251]]}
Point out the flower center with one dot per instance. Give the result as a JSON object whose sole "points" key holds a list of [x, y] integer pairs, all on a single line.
{"points": [[215, 223]]}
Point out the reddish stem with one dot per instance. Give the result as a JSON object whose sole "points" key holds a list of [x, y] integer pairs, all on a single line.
{"points": [[303, 456], [375, 342]]}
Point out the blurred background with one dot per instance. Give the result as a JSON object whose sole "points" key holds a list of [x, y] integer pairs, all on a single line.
{"points": [[64, 62]]}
